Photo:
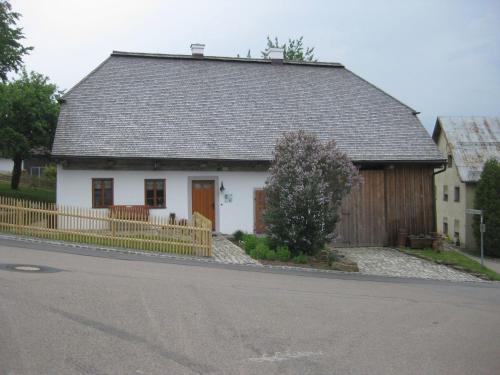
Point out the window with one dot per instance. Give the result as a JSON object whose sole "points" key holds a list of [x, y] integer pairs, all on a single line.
{"points": [[102, 192], [457, 194], [445, 193], [456, 229], [154, 193], [450, 161], [445, 225]]}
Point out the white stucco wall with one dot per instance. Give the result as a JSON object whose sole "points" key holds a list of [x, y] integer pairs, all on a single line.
{"points": [[6, 165], [74, 188]]}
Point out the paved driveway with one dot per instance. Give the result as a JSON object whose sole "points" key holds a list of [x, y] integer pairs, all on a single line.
{"points": [[384, 261]]}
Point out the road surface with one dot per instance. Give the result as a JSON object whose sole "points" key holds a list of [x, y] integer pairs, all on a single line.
{"points": [[99, 314]]}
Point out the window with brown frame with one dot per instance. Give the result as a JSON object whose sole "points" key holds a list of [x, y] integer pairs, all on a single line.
{"points": [[445, 225], [154, 193], [102, 192], [457, 194], [445, 193]]}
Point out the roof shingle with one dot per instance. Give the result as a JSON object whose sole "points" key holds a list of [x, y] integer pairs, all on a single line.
{"points": [[472, 140], [174, 107]]}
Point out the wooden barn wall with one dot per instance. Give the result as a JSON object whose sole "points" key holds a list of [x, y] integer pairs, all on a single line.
{"points": [[388, 199], [409, 200]]}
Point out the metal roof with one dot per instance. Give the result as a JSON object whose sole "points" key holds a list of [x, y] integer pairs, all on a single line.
{"points": [[472, 141], [180, 107]]}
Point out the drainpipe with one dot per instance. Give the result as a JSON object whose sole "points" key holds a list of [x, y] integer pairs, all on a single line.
{"points": [[434, 223]]}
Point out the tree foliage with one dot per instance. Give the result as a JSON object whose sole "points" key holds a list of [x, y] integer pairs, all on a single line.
{"points": [[28, 113], [488, 199], [307, 182], [294, 49], [11, 49]]}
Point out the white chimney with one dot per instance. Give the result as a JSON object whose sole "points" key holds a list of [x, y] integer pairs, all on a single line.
{"points": [[275, 54], [197, 49]]}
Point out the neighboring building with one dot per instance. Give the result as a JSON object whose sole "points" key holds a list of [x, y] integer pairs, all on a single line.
{"points": [[197, 133], [467, 142], [6, 165], [36, 163]]}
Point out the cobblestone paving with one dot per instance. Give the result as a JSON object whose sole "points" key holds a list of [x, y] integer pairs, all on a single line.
{"points": [[224, 251], [390, 262]]}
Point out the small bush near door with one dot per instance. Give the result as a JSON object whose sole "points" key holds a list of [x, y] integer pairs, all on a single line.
{"points": [[238, 235], [260, 248]]}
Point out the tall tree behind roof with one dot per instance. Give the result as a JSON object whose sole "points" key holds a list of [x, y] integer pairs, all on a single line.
{"points": [[294, 49]]}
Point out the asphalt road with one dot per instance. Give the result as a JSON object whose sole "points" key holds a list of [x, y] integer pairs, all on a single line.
{"points": [[104, 315]]}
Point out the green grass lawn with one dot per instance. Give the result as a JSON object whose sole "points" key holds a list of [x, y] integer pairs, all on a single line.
{"points": [[454, 259], [34, 194]]}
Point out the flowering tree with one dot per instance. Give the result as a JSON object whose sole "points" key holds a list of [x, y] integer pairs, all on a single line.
{"points": [[307, 182]]}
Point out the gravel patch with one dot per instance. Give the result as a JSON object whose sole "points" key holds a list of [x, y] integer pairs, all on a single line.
{"points": [[390, 262]]}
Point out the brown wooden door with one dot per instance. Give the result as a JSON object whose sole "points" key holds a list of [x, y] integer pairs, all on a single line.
{"points": [[260, 205], [363, 216], [203, 199]]}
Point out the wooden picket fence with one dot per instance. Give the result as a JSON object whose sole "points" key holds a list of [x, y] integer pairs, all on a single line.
{"points": [[99, 227]]}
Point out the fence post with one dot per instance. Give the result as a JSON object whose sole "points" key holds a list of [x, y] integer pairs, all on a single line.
{"points": [[19, 218]]}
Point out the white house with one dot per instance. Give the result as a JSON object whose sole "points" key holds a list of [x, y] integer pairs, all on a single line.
{"points": [[468, 143], [196, 133]]}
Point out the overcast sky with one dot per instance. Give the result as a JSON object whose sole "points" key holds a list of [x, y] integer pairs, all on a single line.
{"points": [[439, 57]]}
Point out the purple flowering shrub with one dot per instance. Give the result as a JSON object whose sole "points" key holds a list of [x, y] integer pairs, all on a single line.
{"points": [[308, 179]]}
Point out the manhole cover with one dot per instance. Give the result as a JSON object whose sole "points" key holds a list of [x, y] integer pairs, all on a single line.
{"points": [[28, 268]]}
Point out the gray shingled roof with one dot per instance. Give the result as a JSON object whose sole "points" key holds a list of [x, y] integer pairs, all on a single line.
{"points": [[472, 141], [174, 107]]}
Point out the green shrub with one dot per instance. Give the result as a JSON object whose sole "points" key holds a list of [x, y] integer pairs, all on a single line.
{"points": [[301, 259], [332, 257], [238, 235], [50, 172], [262, 251], [249, 242], [283, 254], [488, 199], [271, 254]]}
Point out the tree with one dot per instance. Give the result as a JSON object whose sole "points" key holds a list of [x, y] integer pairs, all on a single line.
{"points": [[488, 199], [307, 182], [28, 113], [11, 50], [294, 50]]}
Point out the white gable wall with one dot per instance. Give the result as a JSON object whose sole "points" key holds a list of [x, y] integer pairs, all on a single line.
{"points": [[74, 188]]}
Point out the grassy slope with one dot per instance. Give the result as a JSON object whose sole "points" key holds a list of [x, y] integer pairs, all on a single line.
{"points": [[452, 258], [35, 194]]}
